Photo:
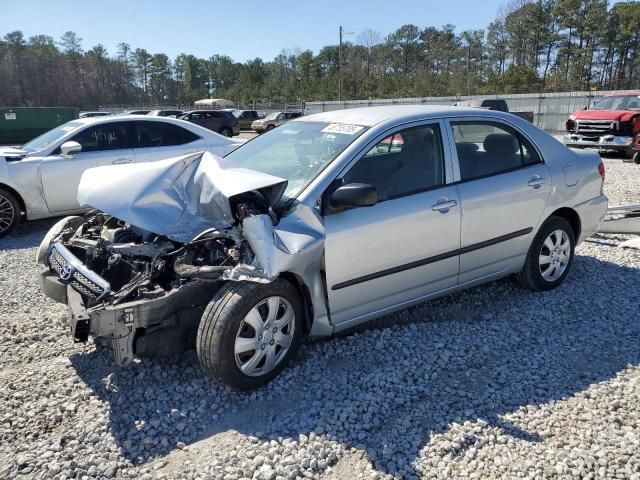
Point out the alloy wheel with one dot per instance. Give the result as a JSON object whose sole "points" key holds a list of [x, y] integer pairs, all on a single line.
{"points": [[264, 336], [554, 255], [7, 213]]}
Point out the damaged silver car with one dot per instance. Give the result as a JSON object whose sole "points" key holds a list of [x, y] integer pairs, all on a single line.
{"points": [[315, 227]]}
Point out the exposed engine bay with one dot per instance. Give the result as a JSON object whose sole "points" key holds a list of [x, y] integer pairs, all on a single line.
{"points": [[139, 264], [104, 263]]}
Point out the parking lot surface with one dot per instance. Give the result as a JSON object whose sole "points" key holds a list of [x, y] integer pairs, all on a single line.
{"points": [[493, 382]]}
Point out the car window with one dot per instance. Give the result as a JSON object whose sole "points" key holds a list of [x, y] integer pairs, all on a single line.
{"points": [[489, 148], [390, 144], [106, 136], [409, 161], [159, 134]]}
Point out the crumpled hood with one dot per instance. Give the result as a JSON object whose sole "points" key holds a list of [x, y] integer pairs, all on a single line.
{"points": [[179, 197], [619, 115]]}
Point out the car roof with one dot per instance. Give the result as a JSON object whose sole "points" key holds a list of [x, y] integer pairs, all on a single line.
{"points": [[133, 118], [370, 116]]}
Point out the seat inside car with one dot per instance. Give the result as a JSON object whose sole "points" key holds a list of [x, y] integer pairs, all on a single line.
{"points": [[417, 169], [501, 152]]}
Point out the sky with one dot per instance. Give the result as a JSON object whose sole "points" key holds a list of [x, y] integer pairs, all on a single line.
{"points": [[240, 29]]}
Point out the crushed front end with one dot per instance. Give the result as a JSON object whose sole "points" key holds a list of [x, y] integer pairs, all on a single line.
{"points": [[136, 292]]}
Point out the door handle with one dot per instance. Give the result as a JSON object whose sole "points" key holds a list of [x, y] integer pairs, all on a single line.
{"points": [[120, 161], [537, 181], [443, 205]]}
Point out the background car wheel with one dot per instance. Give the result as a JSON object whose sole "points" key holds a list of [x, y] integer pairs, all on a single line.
{"points": [[550, 256], [636, 158], [9, 212], [249, 332], [270, 127], [629, 152], [226, 132]]}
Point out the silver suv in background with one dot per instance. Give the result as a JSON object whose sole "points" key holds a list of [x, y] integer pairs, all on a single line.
{"points": [[273, 120]]}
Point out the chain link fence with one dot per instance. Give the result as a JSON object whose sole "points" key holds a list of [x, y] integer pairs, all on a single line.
{"points": [[550, 109]]}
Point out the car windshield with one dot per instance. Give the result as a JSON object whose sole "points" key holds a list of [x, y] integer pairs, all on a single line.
{"points": [[272, 116], [622, 102], [48, 138], [297, 151]]}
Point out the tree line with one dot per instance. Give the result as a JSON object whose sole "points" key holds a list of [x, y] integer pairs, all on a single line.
{"points": [[532, 46]]}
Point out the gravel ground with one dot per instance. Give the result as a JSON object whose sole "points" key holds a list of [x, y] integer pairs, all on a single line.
{"points": [[493, 382]]}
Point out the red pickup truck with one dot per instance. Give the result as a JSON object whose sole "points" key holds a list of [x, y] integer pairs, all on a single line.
{"points": [[612, 123]]}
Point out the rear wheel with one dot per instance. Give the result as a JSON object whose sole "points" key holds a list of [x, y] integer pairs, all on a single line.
{"points": [[226, 132], [636, 158], [550, 256], [9, 212], [270, 127], [249, 332]]}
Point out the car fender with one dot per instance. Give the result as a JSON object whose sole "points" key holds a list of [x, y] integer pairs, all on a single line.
{"points": [[23, 176]]}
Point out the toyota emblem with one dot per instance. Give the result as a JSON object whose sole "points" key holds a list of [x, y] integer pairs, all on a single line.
{"points": [[66, 272]]}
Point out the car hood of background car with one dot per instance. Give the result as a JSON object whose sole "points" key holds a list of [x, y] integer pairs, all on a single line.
{"points": [[12, 153], [178, 197], [619, 115]]}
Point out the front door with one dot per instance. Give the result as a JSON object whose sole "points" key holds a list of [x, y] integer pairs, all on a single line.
{"points": [[102, 144], [504, 190], [405, 247]]}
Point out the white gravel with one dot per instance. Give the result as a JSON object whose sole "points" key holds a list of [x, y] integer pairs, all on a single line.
{"points": [[493, 382]]}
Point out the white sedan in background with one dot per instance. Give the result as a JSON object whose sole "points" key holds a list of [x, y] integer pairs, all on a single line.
{"points": [[41, 178]]}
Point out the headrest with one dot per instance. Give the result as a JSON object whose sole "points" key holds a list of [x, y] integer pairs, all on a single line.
{"points": [[466, 149], [501, 144]]}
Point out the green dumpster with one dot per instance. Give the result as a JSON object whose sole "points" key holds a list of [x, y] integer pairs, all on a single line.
{"points": [[21, 124]]}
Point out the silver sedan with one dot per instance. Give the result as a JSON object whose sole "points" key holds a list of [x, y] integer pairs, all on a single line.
{"points": [[41, 178], [317, 226]]}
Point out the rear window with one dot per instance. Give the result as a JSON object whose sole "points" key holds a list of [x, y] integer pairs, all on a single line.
{"points": [[488, 148], [158, 134]]}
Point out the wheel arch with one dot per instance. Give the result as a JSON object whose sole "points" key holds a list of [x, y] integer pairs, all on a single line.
{"points": [[571, 216], [15, 193], [305, 295]]}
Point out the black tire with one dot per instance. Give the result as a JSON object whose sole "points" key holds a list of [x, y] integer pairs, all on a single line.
{"points": [[226, 132], [531, 275], [636, 158], [270, 127], [628, 152], [221, 322], [10, 212]]}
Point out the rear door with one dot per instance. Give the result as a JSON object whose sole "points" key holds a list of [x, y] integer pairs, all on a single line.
{"points": [[159, 140], [504, 187], [102, 144], [406, 246]]}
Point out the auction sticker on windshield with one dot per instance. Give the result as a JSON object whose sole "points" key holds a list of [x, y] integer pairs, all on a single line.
{"points": [[10, 116], [342, 128]]}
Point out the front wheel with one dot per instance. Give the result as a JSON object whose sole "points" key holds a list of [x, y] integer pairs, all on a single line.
{"points": [[9, 212], [249, 332], [550, 255], [226, 132]]}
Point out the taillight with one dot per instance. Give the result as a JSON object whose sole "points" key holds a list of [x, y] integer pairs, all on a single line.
{"points": [[601, 170]]}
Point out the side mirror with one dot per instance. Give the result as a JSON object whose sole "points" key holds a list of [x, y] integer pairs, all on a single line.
{"points": [[354, 195], [67, 148]]}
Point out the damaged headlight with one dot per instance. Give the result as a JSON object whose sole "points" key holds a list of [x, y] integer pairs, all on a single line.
{"points": [[72, 221]]}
